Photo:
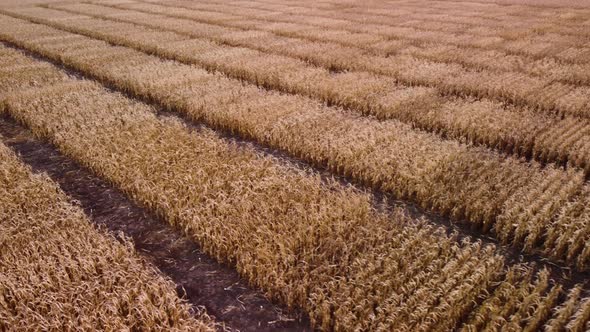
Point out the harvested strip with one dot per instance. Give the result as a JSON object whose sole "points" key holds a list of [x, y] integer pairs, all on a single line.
{"points": [[59, 273], [201, 280], [444, 176], [284, 229], [510, 129]]}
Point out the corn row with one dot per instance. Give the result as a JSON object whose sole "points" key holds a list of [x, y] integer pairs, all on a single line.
{"points": [[446, 78], [294, 27], [517, 304], [569, 237], [478, 58], [464, 13], [286, 231], [510, 25], [511, 41], [522, 221], [351, 59], [521, 17], [31, 73], [414, 16], [573, 315], [445, 176], [510, 129], [59, 273]]}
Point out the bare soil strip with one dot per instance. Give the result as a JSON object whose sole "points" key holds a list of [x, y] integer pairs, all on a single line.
{"points": [[199, 278]]}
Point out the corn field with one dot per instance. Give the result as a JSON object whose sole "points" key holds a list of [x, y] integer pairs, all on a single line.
{"points": [[403, 165]]}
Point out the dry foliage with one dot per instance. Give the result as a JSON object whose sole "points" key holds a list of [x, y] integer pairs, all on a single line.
{"points": [[346, 44], [466, 183], [513, 129], [308, 243], [568, 237], [420, 85], [518, 303], [59, 273], [573, 315], [416, 22]]}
